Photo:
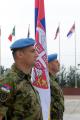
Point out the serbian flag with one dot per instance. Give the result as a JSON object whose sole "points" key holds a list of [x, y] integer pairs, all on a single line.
{"points": [[57, 32], [40, 77], [12, 34], [71, 31]]}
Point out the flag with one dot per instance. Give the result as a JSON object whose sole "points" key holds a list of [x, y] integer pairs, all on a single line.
{"points": [[40, 75], [57, 32], [12, 34], [28, 34], [71, 30]]}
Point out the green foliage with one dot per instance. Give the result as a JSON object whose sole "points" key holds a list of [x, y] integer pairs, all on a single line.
{"points": [[3, 71], [68, 78]]}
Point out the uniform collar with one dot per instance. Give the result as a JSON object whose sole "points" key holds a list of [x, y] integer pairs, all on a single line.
{"points": [[19, 72]]}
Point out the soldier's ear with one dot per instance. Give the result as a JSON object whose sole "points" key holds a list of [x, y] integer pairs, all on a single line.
{"points": [[49, 66], [19, 53]]}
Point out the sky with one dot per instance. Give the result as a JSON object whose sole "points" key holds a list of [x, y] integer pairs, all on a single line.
{"points": [[21, 13]]}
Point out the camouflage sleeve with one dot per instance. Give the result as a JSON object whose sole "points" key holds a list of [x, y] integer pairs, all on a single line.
{"points": [[3, 110]]}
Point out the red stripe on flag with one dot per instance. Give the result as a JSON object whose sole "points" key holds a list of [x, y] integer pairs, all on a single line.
{"points": [[41, 12], [10, 37], [36, 3]]}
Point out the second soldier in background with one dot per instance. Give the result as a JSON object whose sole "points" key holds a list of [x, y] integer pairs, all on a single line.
{"points": [[57, 98]]}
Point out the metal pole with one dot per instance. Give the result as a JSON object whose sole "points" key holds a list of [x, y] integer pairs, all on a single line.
{"points": [[0, 50], [59, 45], [75, 57]]}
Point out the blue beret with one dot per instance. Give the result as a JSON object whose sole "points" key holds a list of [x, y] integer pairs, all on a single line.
{"points": [[21, 43], [52, 57]]}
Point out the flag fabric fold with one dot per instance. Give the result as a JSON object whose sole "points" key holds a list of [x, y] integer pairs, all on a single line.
{"points": [[57, 32], [71, 31], [40, 77], [12, 34], [28, 34]]}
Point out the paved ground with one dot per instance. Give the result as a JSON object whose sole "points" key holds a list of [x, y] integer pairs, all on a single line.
{"points": [[72, 108]]}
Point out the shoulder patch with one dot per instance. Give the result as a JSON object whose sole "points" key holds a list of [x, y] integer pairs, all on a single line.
{"points": [[5, 88], [3, 97], [4, 92]]}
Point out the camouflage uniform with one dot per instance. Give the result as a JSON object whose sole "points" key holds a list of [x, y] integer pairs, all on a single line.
{"points": [[18, 99], [57, 100]]}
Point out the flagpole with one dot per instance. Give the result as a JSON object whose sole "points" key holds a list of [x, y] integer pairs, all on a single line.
{"points": [[59, 45], [0, 45], [15, 33], [75, 57], [0, 50]]}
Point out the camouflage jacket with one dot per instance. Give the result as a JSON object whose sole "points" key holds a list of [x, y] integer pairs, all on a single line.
{"points": [[18, 99], [57, 100]]}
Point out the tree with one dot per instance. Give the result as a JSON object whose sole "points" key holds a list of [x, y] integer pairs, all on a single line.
{"points": [[67, 77], [62, 76], [71, 77], [2, 70]]}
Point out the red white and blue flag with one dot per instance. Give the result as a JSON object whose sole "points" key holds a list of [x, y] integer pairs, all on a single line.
{"points": [[40, 75], [71, 31], [6, 88]]}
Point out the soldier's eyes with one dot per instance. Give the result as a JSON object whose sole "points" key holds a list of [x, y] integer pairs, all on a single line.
{"points": [[33, 50]]}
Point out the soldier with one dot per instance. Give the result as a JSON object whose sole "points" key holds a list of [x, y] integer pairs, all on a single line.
{"points": [[18, 99], [57, 98]]}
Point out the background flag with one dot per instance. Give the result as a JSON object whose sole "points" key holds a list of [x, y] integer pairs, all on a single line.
{"points": [[57, 31], [28, 34], [12, 34], [72, 29], [40, 75]]}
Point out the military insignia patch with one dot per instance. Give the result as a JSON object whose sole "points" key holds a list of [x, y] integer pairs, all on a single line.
{"points": [[6, 88], [4, 92], [3, 97]]}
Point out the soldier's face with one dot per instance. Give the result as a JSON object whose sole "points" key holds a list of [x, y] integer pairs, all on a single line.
{"points": [[55, 66], [30, 55]]}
